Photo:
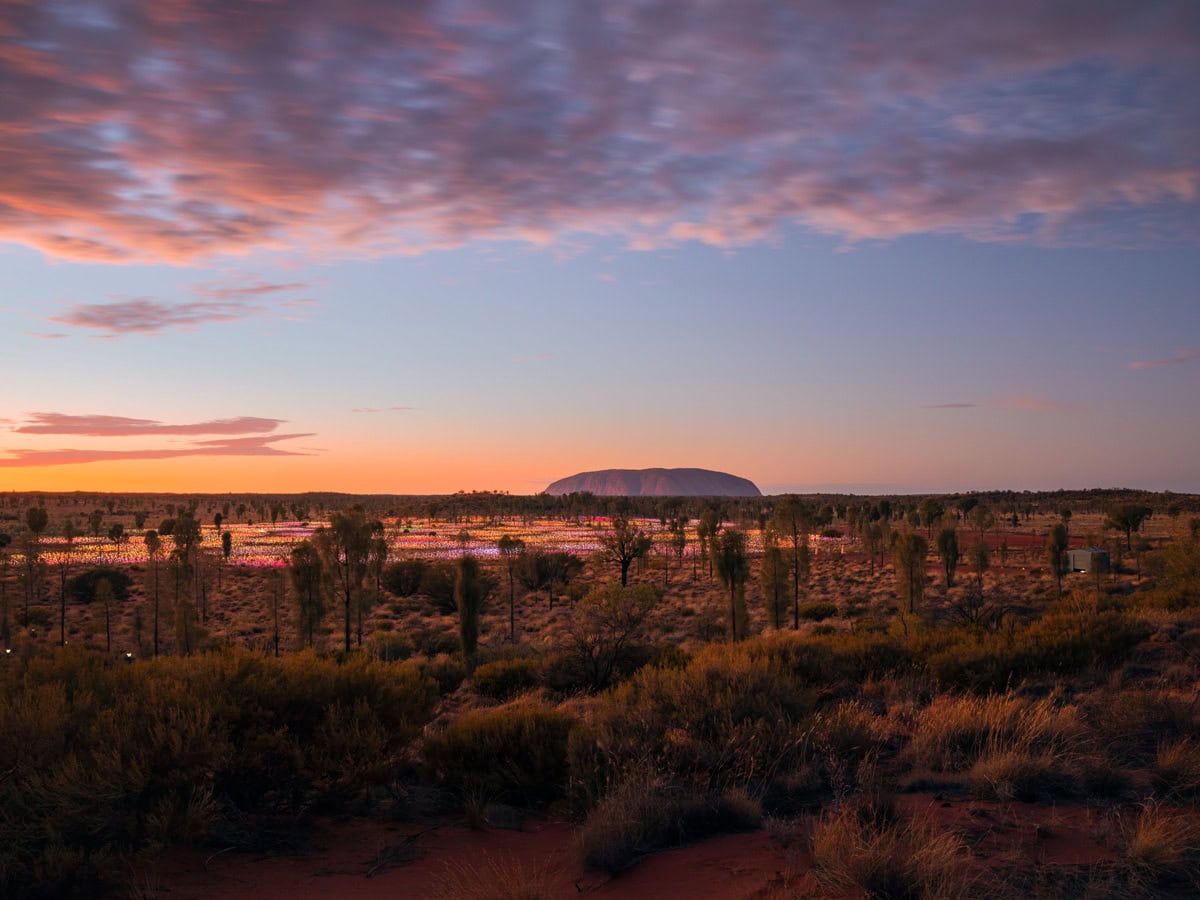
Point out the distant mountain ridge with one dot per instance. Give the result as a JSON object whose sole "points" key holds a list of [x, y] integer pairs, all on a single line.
{"points": [[656, 483]]}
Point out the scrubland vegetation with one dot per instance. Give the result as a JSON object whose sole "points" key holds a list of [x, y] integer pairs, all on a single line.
{"points": [[849, 695]]}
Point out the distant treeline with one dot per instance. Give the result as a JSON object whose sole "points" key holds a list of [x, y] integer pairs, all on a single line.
{"points": [[466, 506]]}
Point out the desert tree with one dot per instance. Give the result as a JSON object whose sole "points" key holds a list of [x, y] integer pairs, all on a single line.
{"points": [[5, 627], [548, 571], [95, 519], [909, 550], [1056, 549], [307, 574], [104, 596], [947, 545], [773, 579], [64, 565], [980, 560], [116, 534], [510, 550], [625, 543], [36, 520], [732, 565], [471, 589], [793, 519], [873, 542], [1127, 517], [346, 544], [378, 556], [981, 519], [931, 511], [707, 526], [153, 546], [226, 550], [679, 540], [605, 623]]}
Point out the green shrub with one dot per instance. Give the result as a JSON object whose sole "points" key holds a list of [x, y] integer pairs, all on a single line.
{"points": [[503, 679], [515, 753]]}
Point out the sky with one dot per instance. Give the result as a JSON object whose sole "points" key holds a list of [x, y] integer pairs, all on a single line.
{"points": [[446, 245]]}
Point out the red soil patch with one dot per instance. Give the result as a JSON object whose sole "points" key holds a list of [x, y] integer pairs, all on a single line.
{"points": [[345, 862]]}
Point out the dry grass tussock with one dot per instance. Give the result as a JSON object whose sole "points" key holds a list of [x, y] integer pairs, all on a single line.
{"points": [[862, 847], [954, 732], [494, 878], [1162, 849]]}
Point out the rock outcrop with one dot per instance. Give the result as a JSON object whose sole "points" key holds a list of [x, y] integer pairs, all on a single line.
{"points": [[656, 483]]}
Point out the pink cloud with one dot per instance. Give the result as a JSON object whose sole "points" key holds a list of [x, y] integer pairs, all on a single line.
{"points": [[169, 132], [949, 406], [121, 426], [1184, 356], [250, 446], [144, 315]]}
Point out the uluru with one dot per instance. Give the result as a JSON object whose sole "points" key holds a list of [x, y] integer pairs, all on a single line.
{"points": [[656, 483]]}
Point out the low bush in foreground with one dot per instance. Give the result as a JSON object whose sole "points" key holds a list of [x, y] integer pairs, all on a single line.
{"points": [[855, 848], [642, 814], [106, 759], [515, 753]]}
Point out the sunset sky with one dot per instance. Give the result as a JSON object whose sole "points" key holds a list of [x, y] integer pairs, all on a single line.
{"points": [[430, 246]]}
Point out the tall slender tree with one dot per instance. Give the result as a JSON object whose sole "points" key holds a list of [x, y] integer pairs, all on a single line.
{"points": [[64, 565], [307, 575], [1056, 549], [732, 565], [470, 593], [153, 546], [947, 545], [347, 546], [792, 519], [773, 579], [909, 550], [510, 549]]}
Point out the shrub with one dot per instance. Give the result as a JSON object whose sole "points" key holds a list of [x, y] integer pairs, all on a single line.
{"points": [[1021, 775], [727, 718], [106, 760], [516, 753], [1062, 643], [954, 732], [884, 858], [82, 587], [437, 583], [447, 671], [1162, 848], [818, 612], [505, 678], [390, 647], [642, 814], [403, 578], [1177, 769]]}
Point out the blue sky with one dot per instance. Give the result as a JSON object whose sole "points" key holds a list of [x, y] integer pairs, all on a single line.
{"points": [[902, 247]]}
